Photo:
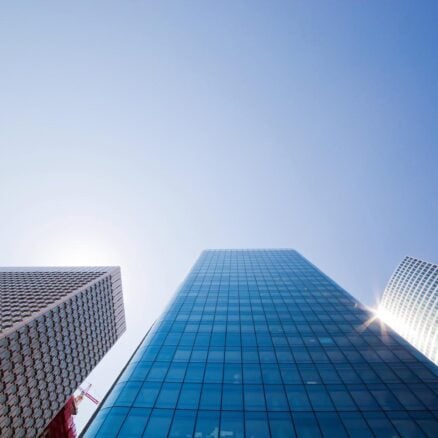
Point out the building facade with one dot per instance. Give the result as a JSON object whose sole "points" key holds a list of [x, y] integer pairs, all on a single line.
{"points": [[56, 324], [410, 305], [260, 343]]}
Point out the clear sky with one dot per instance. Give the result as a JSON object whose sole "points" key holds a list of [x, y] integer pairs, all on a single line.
{"points": [[137, 133]]}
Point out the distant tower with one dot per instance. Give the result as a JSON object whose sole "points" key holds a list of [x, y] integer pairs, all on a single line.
{"points": [[410, 305], [56, 324]]}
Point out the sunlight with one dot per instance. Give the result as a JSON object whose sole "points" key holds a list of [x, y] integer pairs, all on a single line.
{"points": [[78, 249], [378, 317]]}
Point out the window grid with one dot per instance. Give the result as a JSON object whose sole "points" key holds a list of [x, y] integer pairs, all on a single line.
{"points": [[261, 343]]}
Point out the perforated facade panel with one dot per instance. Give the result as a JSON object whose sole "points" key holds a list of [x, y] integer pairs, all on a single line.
{"points": [[56, 325]]}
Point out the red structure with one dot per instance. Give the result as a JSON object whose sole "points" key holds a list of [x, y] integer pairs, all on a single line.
{"points": [[62, 425]]}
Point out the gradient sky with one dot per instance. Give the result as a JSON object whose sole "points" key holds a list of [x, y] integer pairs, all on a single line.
{"points": [[137, 133]]}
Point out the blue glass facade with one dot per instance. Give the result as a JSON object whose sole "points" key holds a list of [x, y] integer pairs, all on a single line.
{"points": [[260, 343]]}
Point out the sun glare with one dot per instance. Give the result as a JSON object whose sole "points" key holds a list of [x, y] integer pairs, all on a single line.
{"points": [[84, 250]]}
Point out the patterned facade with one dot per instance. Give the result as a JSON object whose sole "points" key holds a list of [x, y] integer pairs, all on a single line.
{"points": [[56, 324], [260, 343], [410, 304]]}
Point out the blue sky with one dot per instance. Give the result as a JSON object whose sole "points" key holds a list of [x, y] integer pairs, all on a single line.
{"points": [[139, 133]]}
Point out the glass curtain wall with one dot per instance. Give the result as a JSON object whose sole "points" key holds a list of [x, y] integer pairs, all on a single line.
{"points": [[260, 343]]}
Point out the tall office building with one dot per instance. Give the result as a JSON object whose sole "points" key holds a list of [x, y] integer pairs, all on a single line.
{"points": [[410, 305], [56, 324], [260, 343]]}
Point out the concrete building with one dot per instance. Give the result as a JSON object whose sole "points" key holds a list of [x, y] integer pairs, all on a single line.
{"points": [[56, 324]]}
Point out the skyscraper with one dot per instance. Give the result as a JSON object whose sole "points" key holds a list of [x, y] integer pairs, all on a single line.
{"points": [[410, 305], [56, 324], [261, 343]]}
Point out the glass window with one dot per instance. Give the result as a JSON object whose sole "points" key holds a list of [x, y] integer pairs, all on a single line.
{"points": [[380, 424], [233, 356], [306, 425], [149, 354], [168, 395], [276, 398], [147, 394], [423, 372], [213, 373], [195, 372], [348, 375], [207, 424], [355, 425], [97, 422], [158, 371], [232, 397], [252, 373], [426, 395], [290, 374], [331, 425], [232, 424], [216, 355], [281, 425], [363, 398], [405, 425], [406, 397], [284, 356], [309, 374], [267, 356], [301, 355], [367, 374], [328, 374], [250, 356], [189, 396], [319, 398], [128, 394], [256, 425], [254, 398], [182, 355], [113, 395], [232, 373], [159, 423], [135, 422], [426, 421], [271, 374], [341, 398], [176, 372], [140, 371], [199, 355], [385, 398], [297, 397], [211, 396], [183, 424], [166, 353], [111, 425]]}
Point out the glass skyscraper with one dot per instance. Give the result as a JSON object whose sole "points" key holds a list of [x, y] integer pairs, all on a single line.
{"points": [[260, 343]]}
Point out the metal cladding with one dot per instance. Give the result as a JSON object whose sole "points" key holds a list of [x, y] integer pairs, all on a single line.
{"points": [[56, 324], [410, 305]]}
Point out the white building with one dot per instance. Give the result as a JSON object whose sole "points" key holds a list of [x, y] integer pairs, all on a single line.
{"points": [[410, 305]]}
